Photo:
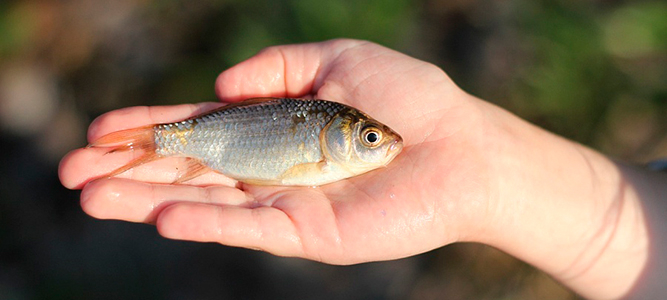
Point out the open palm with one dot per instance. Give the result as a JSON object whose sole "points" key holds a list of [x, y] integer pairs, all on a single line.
{"points": [[432, 194]]}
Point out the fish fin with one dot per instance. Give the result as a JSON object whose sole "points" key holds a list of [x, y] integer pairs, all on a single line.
{"points": [[141, 138], [247, 102], [144, 158], [305, 173], [265, 182], [136, 138], [300, 175], [194, 169]]}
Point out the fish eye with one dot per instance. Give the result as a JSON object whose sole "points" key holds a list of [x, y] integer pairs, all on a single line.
{"points": [[371, 136]]}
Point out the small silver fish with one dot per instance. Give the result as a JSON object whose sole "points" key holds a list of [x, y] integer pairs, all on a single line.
{"points": [[267, 141]]}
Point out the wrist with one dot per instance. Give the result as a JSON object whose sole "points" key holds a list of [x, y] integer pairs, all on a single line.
{"points": [[562, 208]]}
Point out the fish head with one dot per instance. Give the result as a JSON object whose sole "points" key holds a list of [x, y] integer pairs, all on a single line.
{"points": [[360, 143]]}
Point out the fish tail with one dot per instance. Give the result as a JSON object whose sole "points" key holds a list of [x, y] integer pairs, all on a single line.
{"points": [[142, 138]]}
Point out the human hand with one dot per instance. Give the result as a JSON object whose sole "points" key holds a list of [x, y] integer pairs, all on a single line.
{"points": [[434, 193], [469, 171]]}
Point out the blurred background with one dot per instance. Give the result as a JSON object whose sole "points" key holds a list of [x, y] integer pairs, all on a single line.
{"points": [[592, 71]]}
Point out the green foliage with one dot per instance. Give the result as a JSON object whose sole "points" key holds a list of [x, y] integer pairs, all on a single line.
{"points": [[17, 28], [637, 30], [261, 24], [580, 62]]}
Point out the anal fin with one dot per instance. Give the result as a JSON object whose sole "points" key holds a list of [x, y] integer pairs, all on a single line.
{"points": [[193, 169]]}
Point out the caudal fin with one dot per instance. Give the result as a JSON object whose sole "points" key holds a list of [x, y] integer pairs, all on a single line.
{"points": [[129, 139], [141, 138]]}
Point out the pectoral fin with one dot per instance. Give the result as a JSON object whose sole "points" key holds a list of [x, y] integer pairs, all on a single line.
{"points": [[306, 173]]}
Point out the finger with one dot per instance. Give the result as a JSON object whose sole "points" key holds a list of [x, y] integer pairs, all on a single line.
{"points": [[83, 165], [280, 71], [263, 228], [135, 201], [132, 117]]}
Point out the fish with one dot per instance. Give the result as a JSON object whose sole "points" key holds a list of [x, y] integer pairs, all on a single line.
{"points": [[266, 141]]}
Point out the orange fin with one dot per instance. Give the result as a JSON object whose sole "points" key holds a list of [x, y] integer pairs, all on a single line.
{"points": [[144, 158], [194, 169], [136, 138], [141, 138]]}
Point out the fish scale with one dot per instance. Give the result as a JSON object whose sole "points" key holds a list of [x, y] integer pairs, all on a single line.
{"points": [[243, 142]]}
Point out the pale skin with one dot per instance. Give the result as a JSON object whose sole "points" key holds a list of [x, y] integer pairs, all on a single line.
{"points": [[469, 171]]}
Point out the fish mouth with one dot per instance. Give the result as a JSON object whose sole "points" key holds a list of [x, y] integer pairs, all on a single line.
{"points": [[395, 148]]}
